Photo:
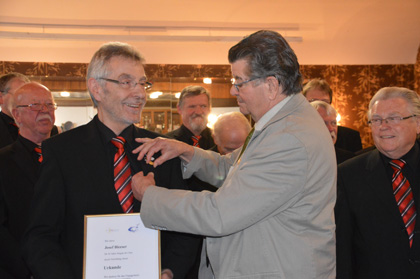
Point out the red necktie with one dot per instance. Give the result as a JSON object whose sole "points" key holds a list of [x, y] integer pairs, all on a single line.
{"points": [[404, 197], [39, 152], [122, 176], [195, 140]]}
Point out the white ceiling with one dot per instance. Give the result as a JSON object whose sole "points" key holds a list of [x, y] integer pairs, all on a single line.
{"points": [[201, 32]]}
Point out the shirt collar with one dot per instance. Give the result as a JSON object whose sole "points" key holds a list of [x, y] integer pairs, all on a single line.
{"points": [[270, 114]]}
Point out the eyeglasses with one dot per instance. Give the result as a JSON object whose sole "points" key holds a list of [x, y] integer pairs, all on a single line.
{"points": [[324, 100], [393, 120], [130, 84], [239, 85], [39, 107]]}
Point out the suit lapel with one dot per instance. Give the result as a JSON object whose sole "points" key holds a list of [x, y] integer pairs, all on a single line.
{"points": [[381, 186]]}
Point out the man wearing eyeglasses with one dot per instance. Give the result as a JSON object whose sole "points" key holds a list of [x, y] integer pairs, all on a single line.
{"points": [[9, 83], [379, 194], [87, 171], [319, 90], [33, 107], [272, 216]]}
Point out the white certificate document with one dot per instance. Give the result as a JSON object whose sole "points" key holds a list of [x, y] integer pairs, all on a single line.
{"points": [[119, 246]]}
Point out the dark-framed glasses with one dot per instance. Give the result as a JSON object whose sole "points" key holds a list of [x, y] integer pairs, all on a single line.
{"points": [[324, 100], [39, 106], [239, 85], [392, 120], [130, 84]]}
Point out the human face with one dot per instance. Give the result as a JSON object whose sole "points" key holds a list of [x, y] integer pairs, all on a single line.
{"points": [[7, 97], [34, 125], [194, 112], [251, 97], [394, 140], [117, 107], [331, 123], [317, 95], [230, 139]]}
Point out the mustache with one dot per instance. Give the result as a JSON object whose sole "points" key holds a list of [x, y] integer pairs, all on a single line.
{"points": [[45, 116]]}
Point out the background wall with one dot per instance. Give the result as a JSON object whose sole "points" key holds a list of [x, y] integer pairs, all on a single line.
{"points": [[353, 85]]}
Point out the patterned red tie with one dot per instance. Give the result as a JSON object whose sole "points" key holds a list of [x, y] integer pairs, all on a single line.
{"points": [[122, 176], [404, 197], [39, 152], [195, 140]]}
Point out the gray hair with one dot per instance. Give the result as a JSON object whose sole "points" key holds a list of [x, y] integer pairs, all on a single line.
{"points": [[192, 90], [327, 107], [5, 80], [269, 54], [319, 84], [386, 93], [98, 66]]}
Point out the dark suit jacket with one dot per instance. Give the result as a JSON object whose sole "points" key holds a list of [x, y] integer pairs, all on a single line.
{"points": [[371, 238], [76, 179], [348, 139], [206, 142], [342, 155], [18, 174], [5, 137]]}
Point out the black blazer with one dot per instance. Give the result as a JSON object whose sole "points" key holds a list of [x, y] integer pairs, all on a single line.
{"points": [[76, 179], [5, 136], [371, 238], [348, 139], [18, 174]]}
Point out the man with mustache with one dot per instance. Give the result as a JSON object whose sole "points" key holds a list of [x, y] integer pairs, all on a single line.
{"points": [[329, 115], [77, 174], [32, 107], [194, 108]]}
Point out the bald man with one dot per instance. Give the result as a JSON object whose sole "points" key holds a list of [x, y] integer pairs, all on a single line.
{"points": [[230, 132], [33, 109]]}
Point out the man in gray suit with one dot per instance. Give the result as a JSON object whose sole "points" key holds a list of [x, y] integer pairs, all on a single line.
{"points": [[272, 216]]}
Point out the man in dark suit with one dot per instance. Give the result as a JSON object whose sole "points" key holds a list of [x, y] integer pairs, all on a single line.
{"points": [[194, 108], [9, 83], [77, 174], [379, 194], [319, 90], [329, 115], [19, 164]]}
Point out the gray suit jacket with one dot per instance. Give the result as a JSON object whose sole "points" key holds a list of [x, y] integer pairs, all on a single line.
{"points": [[272, 217]]}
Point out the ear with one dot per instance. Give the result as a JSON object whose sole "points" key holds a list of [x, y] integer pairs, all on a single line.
{"points": [[178, 109], [95, 89], [16, 115], [273, 87], [417, 124], [1, 98]]}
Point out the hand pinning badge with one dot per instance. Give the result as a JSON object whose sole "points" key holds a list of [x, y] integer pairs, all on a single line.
{"points": [[151, 162]]}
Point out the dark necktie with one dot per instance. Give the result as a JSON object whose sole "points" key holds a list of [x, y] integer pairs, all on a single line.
{"points": [[248, 138], [122, 176], [195, 140], [39, 153], [404, 197]]}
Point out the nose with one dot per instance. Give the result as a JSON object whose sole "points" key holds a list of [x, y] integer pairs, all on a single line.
{"points": [[233, 91]]}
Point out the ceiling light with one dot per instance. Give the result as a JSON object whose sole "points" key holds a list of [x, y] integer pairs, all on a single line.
{"points": [[207, 80]]}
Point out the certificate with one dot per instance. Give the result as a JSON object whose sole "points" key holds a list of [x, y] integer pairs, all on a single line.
{"points": [[119, 246]]}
